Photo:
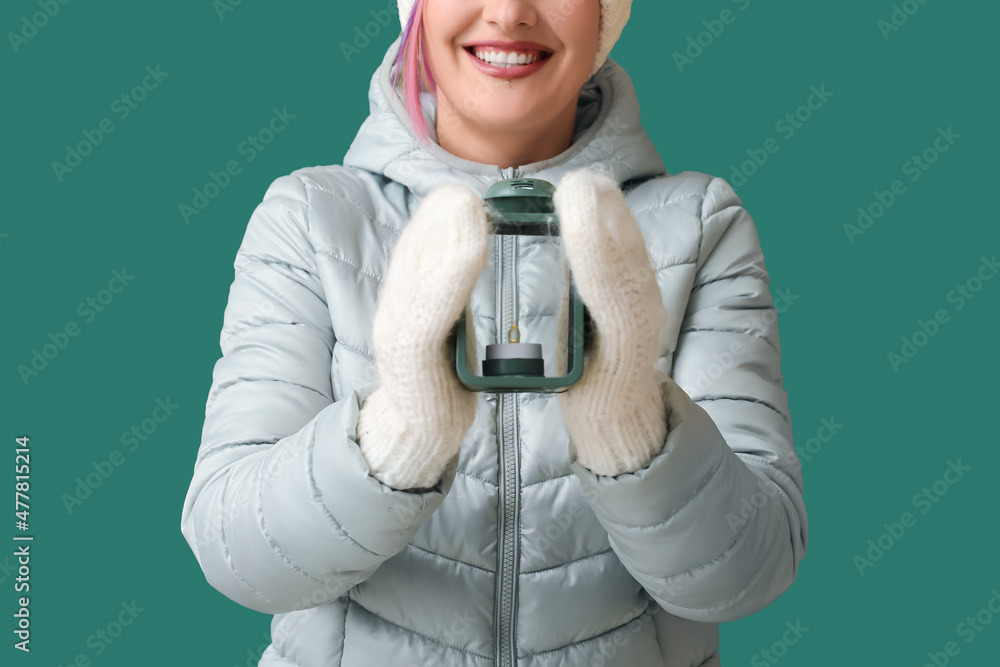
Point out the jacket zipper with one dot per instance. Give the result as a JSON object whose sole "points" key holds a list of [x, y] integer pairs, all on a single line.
{"points": [[509, 461]]}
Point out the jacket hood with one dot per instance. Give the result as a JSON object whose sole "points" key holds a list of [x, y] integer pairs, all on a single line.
{"points": [[608, 135]]}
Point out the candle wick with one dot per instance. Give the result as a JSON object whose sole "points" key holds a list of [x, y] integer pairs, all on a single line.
{"points": [[513, 334]]}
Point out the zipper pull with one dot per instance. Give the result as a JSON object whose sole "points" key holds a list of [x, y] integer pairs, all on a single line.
{"points": [[508, 173]]}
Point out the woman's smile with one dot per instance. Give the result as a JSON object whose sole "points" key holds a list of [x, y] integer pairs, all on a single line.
{"points": [[508, 60]]}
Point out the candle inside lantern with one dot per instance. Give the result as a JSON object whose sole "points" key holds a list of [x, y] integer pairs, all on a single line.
{"points": [[514, 357]]}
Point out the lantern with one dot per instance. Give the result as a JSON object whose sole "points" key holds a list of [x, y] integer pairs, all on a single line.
{"points": [[523, 207]]}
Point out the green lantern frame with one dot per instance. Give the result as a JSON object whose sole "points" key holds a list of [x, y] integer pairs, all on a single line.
{"points": [[524, 207]]}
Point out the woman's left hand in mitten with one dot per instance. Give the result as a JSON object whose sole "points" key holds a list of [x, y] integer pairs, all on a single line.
{"points": [[615, 412]]}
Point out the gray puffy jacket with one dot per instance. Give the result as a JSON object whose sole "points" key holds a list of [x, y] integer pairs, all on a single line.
{"points": [[520, 556]]}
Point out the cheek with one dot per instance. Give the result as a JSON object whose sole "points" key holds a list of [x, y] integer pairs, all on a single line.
{"points": [[588, 26], [444, 19], [442, 24], [576, 18], [577, 26]]}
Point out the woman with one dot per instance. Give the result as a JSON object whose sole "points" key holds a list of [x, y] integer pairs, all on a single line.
{"points": [[349, 484]]}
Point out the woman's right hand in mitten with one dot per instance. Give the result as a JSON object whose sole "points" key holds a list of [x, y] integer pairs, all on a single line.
{"points": [[412, 425]]}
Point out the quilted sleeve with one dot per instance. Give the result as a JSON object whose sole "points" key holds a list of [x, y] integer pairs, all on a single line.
{"points": [[715, 526], [281, 512]]}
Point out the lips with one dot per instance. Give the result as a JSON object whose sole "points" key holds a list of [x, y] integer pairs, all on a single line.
{"points": [[508, 59]]}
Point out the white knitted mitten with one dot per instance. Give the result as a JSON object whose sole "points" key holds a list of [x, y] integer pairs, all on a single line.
{"points": [[413, 424], [615, 412]]}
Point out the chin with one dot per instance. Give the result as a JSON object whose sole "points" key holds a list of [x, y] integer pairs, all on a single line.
{"points": [[513, 116]]}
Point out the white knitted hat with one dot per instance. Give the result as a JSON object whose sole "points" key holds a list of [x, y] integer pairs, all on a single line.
{"points": [[614, 16]]}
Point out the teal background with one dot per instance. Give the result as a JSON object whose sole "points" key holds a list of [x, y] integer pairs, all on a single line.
{"points": [[159, 337]]}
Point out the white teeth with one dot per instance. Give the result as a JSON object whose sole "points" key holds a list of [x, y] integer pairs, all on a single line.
{"points": [[504, 59]]}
